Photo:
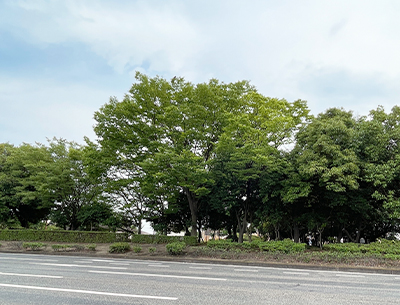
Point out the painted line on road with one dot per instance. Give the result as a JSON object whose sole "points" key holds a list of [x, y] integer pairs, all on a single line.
{"points": [[28, 259], [104, 261], [161, 275], [246, 270], [90, 292], [162, 266], [296, 273], [201, 268], [79, 266], [33, 275], [349, 275]]}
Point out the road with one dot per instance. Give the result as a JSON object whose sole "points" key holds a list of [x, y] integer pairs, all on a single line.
{"points": [[42, 279]]}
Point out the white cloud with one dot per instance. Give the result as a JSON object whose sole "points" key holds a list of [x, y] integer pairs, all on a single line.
{"points": [[34, 110], [288, 49]]}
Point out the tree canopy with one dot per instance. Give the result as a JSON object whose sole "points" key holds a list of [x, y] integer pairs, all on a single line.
{"points": [[221, 156]]}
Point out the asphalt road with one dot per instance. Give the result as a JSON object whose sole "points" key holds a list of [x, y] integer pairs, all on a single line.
{"points": [[41, 279]]}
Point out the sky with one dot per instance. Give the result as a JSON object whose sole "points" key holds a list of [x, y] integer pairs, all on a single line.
{"points": [[60, 61]]}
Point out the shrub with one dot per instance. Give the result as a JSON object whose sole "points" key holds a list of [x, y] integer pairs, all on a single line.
{"points": [[284, 246], [63, 236], [34, 246], [152, 250], [58, 247], [120, 247], [137, 249], [91, 247], [163, 239], [176, 248], [64, 247]]}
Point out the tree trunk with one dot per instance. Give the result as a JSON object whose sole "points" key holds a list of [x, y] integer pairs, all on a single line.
{"points": [[296, 233], [277, 234], [139, 229], [242, 225], [193, 201]]}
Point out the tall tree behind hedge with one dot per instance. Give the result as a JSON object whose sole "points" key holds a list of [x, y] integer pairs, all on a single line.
{"points": [[166, 131]]}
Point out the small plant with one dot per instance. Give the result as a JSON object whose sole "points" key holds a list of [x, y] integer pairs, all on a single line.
{"points": [[58, 248], [176, 248], [152, 250], [120, 247], [34, 246], [91, 247], [137, 249]]}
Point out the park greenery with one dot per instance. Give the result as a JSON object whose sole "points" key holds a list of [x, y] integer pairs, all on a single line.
{"points": [[212, 156]]}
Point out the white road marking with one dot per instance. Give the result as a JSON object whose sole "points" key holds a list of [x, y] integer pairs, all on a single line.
{"points": [[33, 275], [79, 266], [162, 266], [349, 275], [201, 268], [28, 259], [245, 270], [296, 273], [89, 292], [161, 275], [103, 260]]}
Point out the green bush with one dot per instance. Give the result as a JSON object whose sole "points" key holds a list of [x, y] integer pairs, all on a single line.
{"points": [[65, 247], [58, 248], [283, 246], [63, 236], [91, 247], [176, 248], [120, 247], [34, 246], [163, 239], [381, 247], [152, 250], [137, 249]]}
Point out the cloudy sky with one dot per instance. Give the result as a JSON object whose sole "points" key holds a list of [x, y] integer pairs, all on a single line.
{"points": [[60, 61]]}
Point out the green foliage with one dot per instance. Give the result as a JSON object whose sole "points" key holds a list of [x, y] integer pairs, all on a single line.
{"points": [[284, 246], [67, 248], [137, 249], [120, 247], [152, 250], [62, 236], [162, 239], [382, 247], [175, 248], [34, 246], [91, 247]]}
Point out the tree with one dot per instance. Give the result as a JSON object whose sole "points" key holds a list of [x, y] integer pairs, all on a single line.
{"points": [[166, 131], [70, 185], [327, 177], [248, 152], [21, 196]]}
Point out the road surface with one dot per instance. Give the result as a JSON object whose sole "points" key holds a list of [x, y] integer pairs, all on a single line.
{"points": [[42, 279]]}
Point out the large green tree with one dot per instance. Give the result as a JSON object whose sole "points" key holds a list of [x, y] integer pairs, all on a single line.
{"points": [[165, 132], [22, 197]]}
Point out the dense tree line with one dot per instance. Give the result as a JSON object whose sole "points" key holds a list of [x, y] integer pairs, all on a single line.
{"points": [[213, 156]]}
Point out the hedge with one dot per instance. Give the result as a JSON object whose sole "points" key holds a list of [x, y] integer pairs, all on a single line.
{"points": [[91, 237], [63, 236], [163, 239], [286, 246], [381, 247]]}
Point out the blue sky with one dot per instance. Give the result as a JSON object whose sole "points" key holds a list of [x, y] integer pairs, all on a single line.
{"points": [[60, 61]]}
